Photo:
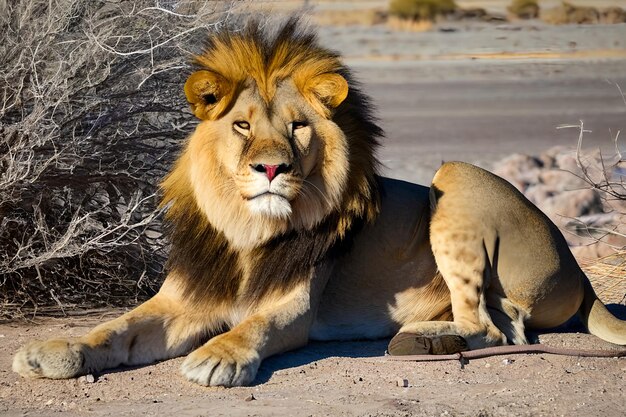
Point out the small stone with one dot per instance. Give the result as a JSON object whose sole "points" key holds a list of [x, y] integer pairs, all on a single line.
{"points": [[89, 378], [49, 402], [404, 383], [250, 397], [507, 361]]}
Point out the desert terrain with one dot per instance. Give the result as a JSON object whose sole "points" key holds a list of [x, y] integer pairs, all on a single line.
{"points": [[471, 91]]}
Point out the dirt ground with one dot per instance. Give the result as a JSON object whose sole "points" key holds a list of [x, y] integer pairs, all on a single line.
{"points": [[328, 379], [353, 378]]}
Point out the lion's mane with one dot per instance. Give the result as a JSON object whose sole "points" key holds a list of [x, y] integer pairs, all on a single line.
{"points": [[208, 266]]}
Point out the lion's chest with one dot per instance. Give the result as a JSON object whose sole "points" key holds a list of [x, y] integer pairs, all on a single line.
{"points": [[387, 277]]}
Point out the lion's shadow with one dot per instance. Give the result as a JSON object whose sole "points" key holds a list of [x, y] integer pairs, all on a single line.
{"points": [[316, 351]]}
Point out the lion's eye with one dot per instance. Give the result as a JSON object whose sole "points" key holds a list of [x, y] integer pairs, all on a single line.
{"points": [[298, 125], [242, 127]]}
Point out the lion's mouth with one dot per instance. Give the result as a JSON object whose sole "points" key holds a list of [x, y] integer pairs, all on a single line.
{"points": [[265, 194], [270, 204]]}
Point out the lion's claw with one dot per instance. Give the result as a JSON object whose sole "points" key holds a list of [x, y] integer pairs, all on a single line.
{"points": [[220, 363]]}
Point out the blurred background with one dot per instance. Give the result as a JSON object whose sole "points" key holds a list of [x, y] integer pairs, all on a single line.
{"points": [[92, 114]]}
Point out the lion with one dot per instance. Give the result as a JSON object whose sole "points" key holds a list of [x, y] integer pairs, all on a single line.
{"points": [[282, 231]]}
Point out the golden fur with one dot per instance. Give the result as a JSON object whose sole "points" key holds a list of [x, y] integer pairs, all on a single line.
{"points": [[282, 232]]}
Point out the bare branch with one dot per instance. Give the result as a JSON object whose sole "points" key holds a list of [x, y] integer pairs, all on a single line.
{"points": [[91, 115]]}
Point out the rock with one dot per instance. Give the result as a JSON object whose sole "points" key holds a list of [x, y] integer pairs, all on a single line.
{"points": [[89, 378], [552, 181], [520, 170], [561, 180], [404, 383], [548, 157]]}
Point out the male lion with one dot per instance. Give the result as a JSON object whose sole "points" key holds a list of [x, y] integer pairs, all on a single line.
{"points": [[282, 232]]}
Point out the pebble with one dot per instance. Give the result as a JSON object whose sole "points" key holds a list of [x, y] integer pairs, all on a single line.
{"points": [[404, 383], [507, 361], [250, 397], [89, 378]]}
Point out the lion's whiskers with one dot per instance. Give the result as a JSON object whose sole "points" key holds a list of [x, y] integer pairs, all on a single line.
{"points": [[327, 200]]}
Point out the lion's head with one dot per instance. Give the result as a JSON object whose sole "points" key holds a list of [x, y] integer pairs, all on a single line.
{"points": [[285, 140]]}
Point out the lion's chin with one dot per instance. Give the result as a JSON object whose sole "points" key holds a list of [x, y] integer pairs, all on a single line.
{"points": [[270, 205]]}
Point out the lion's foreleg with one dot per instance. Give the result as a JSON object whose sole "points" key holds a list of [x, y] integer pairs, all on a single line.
{"points": [[158, 329], [280, 323]]}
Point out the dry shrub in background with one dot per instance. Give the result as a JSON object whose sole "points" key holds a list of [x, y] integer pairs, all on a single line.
{"points": [[524, 9], [91, 115], [418, 10], [567, 13]]}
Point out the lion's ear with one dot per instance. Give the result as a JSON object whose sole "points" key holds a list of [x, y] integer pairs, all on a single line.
{"points": [[208, 93], [329, 90]]}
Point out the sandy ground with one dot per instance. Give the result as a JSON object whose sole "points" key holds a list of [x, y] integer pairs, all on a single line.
{"points": [[477, 93], [329, 379]]}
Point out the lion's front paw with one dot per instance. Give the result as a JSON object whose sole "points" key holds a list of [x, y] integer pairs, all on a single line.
{"points": [[221, 362], [56, 359]]}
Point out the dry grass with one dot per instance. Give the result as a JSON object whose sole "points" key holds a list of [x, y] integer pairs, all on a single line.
{"points": [[608, 276], [409, 25], [91, 113], [367, 17]]}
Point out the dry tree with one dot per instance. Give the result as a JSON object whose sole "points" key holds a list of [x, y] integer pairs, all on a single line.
{"points": [[91, 112]]}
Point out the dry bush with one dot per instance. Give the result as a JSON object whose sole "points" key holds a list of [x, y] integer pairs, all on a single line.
{"points": [[606, 176], [613, 15], [421, 9], [524, 9], [91, 112], [567, 13]]}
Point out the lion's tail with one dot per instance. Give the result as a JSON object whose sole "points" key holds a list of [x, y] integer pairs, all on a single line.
{"points": [[598, 320]]}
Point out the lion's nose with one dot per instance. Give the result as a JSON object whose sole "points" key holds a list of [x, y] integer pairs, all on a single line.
{"points": [[271, 170]]}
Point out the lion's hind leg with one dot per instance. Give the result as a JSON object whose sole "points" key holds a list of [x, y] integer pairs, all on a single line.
{"points": [[461, 255], [465, 271], [461, 243], [508, 317]]}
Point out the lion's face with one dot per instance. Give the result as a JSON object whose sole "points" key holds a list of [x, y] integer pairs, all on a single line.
{"points": [[266, 165]]}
